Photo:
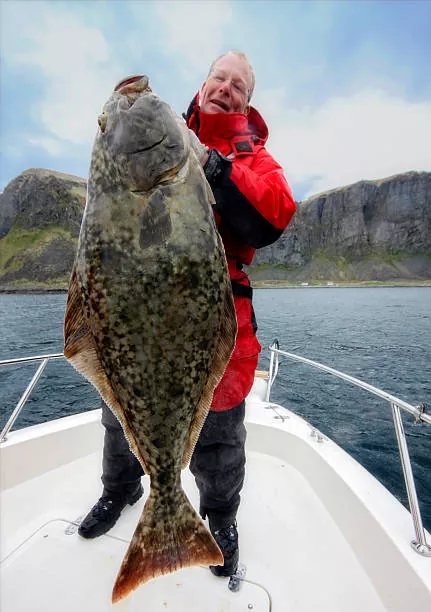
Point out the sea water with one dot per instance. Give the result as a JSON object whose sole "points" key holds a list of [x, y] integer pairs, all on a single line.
{"points": [[381, 335]]}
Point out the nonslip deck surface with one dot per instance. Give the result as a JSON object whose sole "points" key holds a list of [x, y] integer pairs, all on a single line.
{"points": [[295, 555]]}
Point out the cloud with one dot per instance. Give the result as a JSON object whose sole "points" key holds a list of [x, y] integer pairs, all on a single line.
{"points": [[61, 68], [195, 32], [75, 69], [53, 147], [69, 56], [367, 135]]}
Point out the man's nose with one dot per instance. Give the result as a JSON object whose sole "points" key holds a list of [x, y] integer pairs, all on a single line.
{"points": [[225, 87]]}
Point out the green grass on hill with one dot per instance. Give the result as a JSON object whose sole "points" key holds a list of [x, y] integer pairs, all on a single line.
{"points": [[21, 243]]}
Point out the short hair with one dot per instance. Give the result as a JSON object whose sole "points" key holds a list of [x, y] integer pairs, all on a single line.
{"points": [[242, 56]]}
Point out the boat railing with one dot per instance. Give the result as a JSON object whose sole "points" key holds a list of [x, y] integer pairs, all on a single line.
{"points": [[420, 544], [419, 412], [24, 397]]}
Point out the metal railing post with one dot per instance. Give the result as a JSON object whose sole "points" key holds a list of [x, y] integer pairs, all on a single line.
{"points": [[420, 544], [272, 374], [13, 417]]}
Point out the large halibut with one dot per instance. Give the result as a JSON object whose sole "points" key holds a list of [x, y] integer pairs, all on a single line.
{"points": [[150, 319]]}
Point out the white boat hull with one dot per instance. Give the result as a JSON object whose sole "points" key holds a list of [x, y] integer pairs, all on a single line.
{"points": [[317, 531]]}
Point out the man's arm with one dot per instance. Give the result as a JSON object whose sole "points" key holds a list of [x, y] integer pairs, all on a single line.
{"points": [[256, 203]]}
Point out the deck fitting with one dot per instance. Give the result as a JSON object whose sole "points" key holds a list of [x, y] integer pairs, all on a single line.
{"points": [[421, 549]]}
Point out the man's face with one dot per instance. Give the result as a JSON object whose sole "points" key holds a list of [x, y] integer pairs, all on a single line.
{"points": [[227, 87]]}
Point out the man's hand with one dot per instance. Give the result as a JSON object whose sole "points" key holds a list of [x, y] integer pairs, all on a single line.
{"points": [[212, 161], [215, 166]]}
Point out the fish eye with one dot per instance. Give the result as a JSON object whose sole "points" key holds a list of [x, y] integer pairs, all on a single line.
{"points": [[102, 120]]}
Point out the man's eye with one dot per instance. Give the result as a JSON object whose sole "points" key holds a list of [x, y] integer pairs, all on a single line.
{"points": [[239, 88], [219, 79]]}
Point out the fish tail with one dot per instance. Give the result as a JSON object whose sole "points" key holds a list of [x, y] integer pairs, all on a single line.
{"points": [[165, 541]]}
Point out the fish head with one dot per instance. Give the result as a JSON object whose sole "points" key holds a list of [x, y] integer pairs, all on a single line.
{"points": [[142, 135]]}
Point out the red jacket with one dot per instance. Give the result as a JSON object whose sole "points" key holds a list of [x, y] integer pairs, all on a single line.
{"points": [[254, 204]]}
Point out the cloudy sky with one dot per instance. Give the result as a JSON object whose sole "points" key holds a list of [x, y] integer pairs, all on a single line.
{"points": [[344, 86]]}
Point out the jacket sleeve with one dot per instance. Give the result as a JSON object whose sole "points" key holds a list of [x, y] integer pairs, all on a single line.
{"points": [[255, 202]]}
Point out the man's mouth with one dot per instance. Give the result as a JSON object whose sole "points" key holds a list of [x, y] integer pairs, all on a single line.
{"points": [[222, 105]]}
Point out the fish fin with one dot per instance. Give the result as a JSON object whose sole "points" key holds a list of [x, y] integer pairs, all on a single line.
{"points": [[80, 350], [164, 542], [223, 352]]}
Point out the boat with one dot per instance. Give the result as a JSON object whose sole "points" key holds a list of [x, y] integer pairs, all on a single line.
{"points": [[317, 530]]}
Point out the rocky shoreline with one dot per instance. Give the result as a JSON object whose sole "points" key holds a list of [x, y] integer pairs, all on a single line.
{"points": [[33, 290], [255, 285]]}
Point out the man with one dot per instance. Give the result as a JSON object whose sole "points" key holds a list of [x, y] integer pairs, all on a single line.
{"points": [[253, 205]]}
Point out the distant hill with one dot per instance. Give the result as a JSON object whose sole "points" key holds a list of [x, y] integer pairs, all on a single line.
{"points": [[373, 231], [369, 231], [40, 218]]}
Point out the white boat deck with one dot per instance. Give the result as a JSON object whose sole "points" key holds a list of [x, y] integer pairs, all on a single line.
{"points": [[307, 539]]}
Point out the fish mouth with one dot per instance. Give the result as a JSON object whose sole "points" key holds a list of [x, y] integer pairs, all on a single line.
{"points": [[145, 149], [164, 177], [133, 84]]}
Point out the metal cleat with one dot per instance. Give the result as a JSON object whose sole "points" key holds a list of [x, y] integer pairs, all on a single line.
{"points": [[72, 528], [423, 409], [235, 581]]}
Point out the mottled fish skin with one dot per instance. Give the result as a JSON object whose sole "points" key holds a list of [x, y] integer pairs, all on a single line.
{"points": [[150, 318]]}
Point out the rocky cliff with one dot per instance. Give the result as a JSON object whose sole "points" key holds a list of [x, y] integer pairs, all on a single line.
{"points": [[369, 231], [40, 217]]}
